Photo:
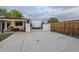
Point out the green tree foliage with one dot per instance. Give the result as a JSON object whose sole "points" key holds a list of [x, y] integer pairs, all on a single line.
{"points": [[53, 20], [15, 14], [3, 12]]}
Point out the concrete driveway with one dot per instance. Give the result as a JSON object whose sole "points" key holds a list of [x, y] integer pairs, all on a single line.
{"points": [[39, 41]]}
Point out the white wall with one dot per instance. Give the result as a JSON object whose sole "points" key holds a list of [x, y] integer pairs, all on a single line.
{"points": [[28, 28], [46, 27]]}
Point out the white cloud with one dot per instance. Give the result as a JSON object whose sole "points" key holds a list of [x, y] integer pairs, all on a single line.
{"points": [[72, 13], [45, 12]]}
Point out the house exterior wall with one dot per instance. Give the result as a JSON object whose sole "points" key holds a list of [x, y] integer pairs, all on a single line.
{"points": [[5, 27], [12, 23]]}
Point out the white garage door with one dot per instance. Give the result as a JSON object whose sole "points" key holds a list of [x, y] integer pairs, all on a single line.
{"points": [[36, 24]]}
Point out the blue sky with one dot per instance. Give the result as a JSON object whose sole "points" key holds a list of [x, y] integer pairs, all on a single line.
{"points": [[45, 12]]}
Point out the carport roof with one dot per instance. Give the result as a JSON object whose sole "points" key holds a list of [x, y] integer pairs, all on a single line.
{"points": [[13, 20]]}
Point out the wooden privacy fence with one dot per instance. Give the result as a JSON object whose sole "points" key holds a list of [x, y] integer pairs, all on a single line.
{"points": [[67, 27]]}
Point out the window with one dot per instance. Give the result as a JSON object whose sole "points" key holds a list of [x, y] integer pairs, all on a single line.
{"points": [[19, 23]]}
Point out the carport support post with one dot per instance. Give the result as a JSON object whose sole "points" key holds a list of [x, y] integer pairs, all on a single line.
{"points": [[2, 27]]}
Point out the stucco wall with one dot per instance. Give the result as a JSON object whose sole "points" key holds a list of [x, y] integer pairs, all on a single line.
{"points": [[46, 27], [28, 28], [0, 26]]}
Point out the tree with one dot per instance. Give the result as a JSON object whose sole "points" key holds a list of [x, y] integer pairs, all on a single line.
{"points": [[15, 14], [53, 20], [3, 12]]}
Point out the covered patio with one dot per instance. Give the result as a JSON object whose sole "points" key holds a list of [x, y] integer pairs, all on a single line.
{"points": [[13, 25]]}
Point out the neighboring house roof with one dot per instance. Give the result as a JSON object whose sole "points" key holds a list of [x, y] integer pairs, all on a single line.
{"points": [[72, 20]]}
